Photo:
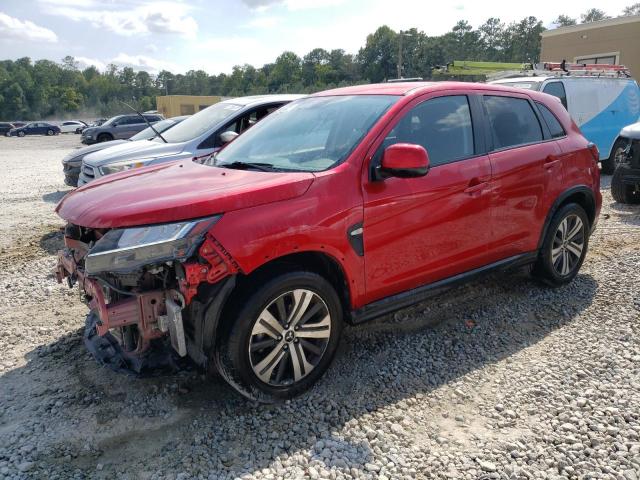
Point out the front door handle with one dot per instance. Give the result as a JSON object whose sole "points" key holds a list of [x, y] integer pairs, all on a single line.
{"points": [[475, 187]]}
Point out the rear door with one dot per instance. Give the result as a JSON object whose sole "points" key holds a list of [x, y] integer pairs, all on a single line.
{"points": [[420, 230], [524, 164]]}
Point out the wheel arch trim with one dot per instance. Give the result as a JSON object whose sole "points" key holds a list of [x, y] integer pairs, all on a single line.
{"points": [[561, 199]]}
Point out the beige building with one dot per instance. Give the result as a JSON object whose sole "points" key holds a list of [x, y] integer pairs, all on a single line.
{"points": [[616, 40], [175, 105]]}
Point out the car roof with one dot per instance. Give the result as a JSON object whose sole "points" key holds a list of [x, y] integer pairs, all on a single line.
{"points": [[254, 100], [414, 88]]}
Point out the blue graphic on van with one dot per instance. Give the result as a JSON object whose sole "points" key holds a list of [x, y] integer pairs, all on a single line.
{"points": [[603, 129]]}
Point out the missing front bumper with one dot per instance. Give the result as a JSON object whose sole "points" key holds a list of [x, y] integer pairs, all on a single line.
{"points": [[154, 314], [159, 359]]}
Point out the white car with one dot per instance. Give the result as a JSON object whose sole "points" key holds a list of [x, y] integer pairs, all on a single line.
{"points": [[197, 137], [71, 126]]}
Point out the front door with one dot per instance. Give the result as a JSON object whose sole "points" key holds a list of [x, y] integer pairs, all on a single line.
{"points": [[420, 230]]}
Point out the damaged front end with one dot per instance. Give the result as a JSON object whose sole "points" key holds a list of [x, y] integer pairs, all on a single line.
{"points": [[140, 284]]}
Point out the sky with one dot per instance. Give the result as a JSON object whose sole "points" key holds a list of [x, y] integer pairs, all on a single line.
{"points": [[215, 35]]}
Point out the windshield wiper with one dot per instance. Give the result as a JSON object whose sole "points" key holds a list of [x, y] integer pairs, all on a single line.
{"points": [[264, 167]]}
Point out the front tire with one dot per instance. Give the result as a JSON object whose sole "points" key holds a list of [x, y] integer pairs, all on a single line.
{"points": [[282, 338], [21, 134], [104, 137], [620, 191], [564, 247], [616, 158]]}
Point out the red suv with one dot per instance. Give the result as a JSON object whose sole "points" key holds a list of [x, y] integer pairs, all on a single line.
{"points": [[335, 209]]}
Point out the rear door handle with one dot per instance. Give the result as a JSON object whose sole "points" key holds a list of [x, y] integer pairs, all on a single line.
{"points": [[551, 161]]}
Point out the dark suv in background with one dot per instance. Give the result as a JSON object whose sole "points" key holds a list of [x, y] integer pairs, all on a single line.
{"points": [[118, 127]]}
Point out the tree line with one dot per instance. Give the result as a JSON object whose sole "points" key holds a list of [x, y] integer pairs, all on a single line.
{"points": [[46, 89]]}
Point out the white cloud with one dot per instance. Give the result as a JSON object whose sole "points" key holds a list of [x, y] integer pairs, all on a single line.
{"points": [[84, 62], [13, 28], [143, 62], [259, 4], [263, 22], [127, 18], [262, 5], [309, 4]]}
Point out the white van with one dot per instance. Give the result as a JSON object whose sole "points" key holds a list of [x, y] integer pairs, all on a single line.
{"points": [[600, 106]]}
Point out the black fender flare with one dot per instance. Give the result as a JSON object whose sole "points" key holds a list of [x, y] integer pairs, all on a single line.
{"points": [[581, 189], [204, 315]]}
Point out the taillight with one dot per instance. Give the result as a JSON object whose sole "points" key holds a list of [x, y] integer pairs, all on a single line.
{"points": [[594, 151]]}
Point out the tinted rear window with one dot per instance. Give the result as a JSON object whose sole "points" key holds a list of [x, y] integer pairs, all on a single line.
{"points": [[555, 127], [513, 121]]}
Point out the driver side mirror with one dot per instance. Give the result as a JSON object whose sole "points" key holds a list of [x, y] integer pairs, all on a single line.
{"points": [[228, 137], [404, 160]]}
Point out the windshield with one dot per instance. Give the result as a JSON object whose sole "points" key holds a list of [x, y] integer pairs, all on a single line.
{"points": [[525, 85], [111, 120], [201, 122], [311, 134], [148, 132]]}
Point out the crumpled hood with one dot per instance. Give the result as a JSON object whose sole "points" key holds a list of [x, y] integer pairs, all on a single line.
{"points": [[79, 153], [138, 150], [172, 192]]}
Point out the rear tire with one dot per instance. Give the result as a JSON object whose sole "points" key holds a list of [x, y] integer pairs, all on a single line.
{"points": [[104, 137], [616, 157], [565, 246], [49, 133], [621, 192], [281, 338]]}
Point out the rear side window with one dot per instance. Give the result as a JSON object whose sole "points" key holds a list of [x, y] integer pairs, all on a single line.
{"points": [[552, 122], [557, 90], [441, 125], [513, 121]]}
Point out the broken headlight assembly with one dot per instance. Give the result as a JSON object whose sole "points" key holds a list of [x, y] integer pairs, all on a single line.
{"points": [[128, 249]]}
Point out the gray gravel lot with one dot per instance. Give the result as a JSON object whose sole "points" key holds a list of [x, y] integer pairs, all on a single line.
{"points": [[501, 379]]}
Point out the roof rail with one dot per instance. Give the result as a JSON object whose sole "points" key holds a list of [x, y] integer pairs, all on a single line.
{"points": [[585, 69]]}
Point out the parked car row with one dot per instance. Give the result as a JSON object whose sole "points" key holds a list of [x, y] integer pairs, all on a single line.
{"points": [[336, 208], [197, 137], [72, 163]]}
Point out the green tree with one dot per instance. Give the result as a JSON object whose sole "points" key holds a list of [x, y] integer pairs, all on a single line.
{"points": [[379, 55], [631, 10], [15, 101], [286, 72], [564, 21], [593, 15], [491, 38]]}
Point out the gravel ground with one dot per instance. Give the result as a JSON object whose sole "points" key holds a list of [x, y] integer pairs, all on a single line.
{"points": [[501, 379]]}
